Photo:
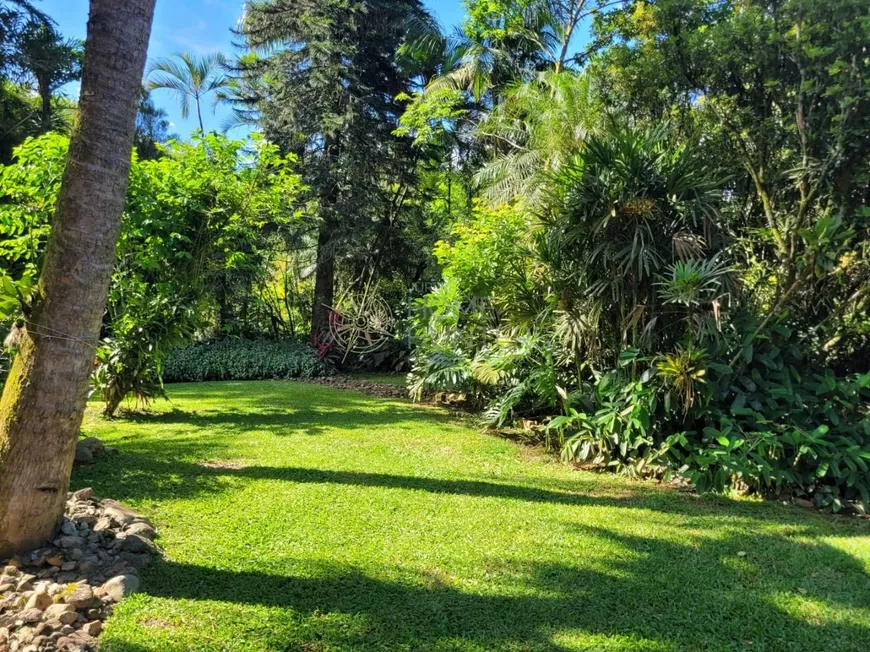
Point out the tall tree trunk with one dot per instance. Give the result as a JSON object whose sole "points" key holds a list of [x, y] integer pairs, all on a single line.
{"points": [[324, 281], [45, 102], [44, 398]]}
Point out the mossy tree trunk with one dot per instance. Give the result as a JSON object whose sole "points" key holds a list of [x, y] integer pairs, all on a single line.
{"points": [[44, 399]]}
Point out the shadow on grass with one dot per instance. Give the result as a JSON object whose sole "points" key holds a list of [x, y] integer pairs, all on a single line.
{"points": [[641, 593], [655, 594], [313, 418], [162, 473]]}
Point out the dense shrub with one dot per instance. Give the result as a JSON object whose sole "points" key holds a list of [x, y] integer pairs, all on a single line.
{"points": [[244, 360], [771, 424]]}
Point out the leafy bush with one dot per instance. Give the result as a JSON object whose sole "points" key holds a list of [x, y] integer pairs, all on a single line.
{"points": [[771, 423], [779, 422], [244, 360]]}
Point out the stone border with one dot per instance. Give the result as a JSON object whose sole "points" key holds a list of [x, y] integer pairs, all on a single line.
{"points": [[58, 596]]}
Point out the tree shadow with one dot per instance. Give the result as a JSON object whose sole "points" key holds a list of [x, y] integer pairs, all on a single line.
{"points": [[160, 471], [653, 594], [262, 414]]}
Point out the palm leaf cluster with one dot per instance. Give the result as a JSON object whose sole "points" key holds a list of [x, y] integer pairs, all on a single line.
{"points": [[631, 240]]}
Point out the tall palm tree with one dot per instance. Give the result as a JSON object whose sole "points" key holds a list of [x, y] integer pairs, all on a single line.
{"points": [[191, 78], [539, 126], [45, 396]]}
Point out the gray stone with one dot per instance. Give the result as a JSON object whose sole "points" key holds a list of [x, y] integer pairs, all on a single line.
{"points": [[82, 598], [103, 523], [122, 514], [28, 616], [121, 586], [55, 611], [39, 600], [93, 444], [93, 628], [137, 544], [69, 541], [142, 530], [83, 494], [69, 528], [137, 561], [83, 454]]}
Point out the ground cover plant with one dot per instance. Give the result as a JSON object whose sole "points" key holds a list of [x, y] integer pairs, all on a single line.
{"points": [[299, 517], [244, 360]]}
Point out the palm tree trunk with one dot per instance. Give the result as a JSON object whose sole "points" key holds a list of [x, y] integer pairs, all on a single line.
{"points": [[199, 115], [44, 398]]}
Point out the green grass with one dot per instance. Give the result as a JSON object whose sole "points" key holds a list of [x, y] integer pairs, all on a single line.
{"points": [[298, 517]]}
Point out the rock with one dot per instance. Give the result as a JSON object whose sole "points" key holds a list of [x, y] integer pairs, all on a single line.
{"points": [[93, 628], [83, 455], [39, 600], [29, 616], [110, 450], [69, 541], [87, 567], [137, 544], [55, 611], [25, 635], [122, 514], [142, 530], [103, 523], [44, 629], [82, 597], [83, 494], [48, 572], [93, 444], [121, 586], [806, 504], [69, 528], [101, 542], [37, 558], [55, 560]]}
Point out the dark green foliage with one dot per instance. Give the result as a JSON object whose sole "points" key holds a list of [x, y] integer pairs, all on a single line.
{"points": [[244, 360], [324, 81], [772, 424], [47, 61], [690, 286], [776, 421], [152, 128]]}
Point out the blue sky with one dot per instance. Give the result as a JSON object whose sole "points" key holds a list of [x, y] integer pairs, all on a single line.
{"points": [[198, 26]]}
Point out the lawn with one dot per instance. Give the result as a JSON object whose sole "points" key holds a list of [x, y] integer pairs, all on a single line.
{"points": [[299, 517]]}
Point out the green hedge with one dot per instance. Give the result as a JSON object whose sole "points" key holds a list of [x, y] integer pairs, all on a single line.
{"points": [[243, 360]]}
